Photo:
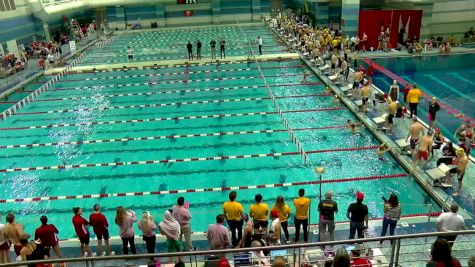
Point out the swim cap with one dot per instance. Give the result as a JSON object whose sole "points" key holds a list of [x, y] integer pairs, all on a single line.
{"points": [[460, 151], [359, 195], [433, 98]]}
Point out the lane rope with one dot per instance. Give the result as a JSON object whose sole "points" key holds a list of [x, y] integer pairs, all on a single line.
{"points": [[180, 81], [165, 119], [198, 190], [176, 73], [175, 91], [184, 103], [166, 161], [113, 140]]}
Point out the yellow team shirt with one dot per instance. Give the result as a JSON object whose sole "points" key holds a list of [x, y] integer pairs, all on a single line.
{"points": [[301, 207], [284, 212], [233, 210], [413, 95], [259, 211]]}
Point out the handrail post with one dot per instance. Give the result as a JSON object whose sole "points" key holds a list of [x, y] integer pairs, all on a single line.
{"points": [[396, 255], [393, 250]]}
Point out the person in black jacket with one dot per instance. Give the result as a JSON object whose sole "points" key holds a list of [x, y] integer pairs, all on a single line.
{"points": [[198, 49], [434, 107], [189, 47]]}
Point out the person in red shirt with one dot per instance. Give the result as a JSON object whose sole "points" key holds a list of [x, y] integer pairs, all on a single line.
{"points": [[46, 233], [80, 226], [358, 261], [100, 226]]}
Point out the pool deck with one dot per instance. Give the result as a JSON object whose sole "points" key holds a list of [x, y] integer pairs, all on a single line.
{"points": [[443, 196], [171, 63]]}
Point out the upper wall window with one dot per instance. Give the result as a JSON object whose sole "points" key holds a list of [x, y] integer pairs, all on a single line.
{"points": [[7, 5]]}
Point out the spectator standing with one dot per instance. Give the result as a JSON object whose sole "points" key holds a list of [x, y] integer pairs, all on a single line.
{"points": [[275, 229], [234, 212], [246, 240], [441, 255], [434, 107], [46, 233], [284, 215], [259, 212], [358, 214], [327, 209], [392, 213], [212, 44], [80, 226], [125, 219], [301, 205], [259, 42], [217, 234], [198, 49], [170, 228], [189, 47], [30, 250], [182, 215], [130, 53], [4, 245], [100, 226], [450, 221], [148, 227], [223, 48], [413, 97]]}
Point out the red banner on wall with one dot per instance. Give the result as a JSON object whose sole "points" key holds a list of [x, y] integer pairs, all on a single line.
{"points": [[372, 21]]}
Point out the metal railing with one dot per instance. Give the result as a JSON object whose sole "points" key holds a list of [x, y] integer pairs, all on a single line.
{"points": [[396, 254]]}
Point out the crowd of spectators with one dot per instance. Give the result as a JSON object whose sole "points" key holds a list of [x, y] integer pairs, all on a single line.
{"points": [[226, 232]]}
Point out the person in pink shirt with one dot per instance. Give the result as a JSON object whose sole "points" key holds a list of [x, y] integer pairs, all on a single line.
{"points": [[80, 226], [218, 234], [125, 219], [148, 227], [182, 214]]}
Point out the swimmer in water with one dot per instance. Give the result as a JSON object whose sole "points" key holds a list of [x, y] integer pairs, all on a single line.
{"points": [[327, 90], [352, 126], [336, 100], [305, 76], [381, 150]]}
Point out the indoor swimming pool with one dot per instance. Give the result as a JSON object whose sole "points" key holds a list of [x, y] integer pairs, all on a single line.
{"points": [[142, 137]]}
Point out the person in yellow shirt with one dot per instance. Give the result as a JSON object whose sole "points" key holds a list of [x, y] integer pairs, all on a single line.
{"points": [[301, 204], [284, 215], [413, 97], [259, 212], [234, 212]]}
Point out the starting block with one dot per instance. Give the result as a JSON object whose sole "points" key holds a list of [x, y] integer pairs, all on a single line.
{"points": [[324, 67], [379, 120], [437, 175], [346, 88], [403, 143]]}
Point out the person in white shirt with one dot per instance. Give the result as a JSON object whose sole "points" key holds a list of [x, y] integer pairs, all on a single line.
{"points": [[259, 41], [130, 53], [450, 221]]}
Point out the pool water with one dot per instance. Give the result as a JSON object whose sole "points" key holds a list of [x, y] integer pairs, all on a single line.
{"points": [[449, 78], [81, 100], [171, 44]]}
